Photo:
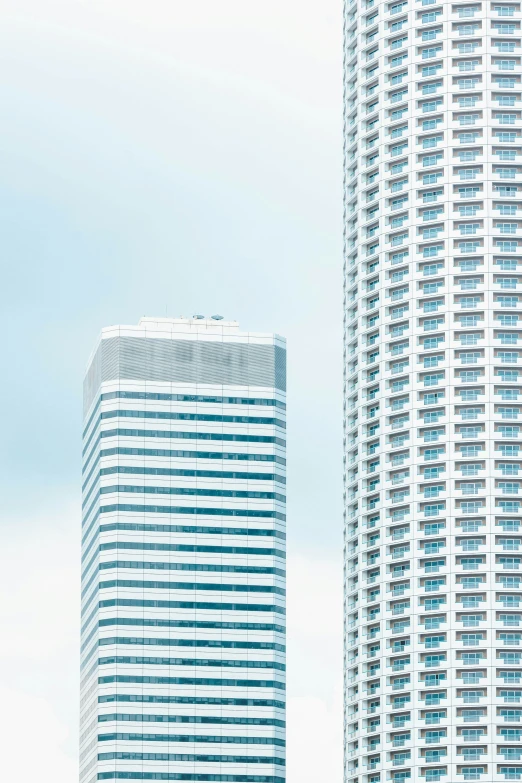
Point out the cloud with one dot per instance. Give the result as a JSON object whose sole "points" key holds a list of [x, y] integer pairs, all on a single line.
{"points": [[33, 739], [315, 674], [315, 740], [39, 654]]}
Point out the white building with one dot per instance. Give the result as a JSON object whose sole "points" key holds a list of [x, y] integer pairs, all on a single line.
{"points": [[183, 554], [433, 391]]}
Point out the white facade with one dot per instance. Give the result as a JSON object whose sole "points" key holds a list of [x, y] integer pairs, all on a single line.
{"points": [[433, 391], [183, 554]]}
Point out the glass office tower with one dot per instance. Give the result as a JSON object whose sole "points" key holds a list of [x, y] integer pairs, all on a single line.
{"points": [[183, 554], [433, 391]]}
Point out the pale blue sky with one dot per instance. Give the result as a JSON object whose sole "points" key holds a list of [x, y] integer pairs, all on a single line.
{"points": [[165, 157]]}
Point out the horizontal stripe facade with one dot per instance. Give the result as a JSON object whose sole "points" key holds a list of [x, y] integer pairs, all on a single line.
{"points": [[199, 681], [190, 757], [195, 777], [200, 719], [183, 602]]}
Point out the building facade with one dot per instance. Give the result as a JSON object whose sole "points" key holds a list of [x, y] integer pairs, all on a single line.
{"points": [[183, 554], [433, 391]]}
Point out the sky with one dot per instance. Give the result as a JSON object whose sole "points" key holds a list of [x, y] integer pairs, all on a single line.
{"points": [[164, 158]]}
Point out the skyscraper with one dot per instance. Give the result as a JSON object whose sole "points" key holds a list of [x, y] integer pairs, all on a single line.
{"points": [[433, 391], [183, 554]]}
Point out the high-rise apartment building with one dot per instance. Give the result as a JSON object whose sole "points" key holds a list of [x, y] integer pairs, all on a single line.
{"points": [[183, 554], [433, 391]]}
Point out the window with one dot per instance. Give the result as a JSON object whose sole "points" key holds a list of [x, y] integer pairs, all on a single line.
{"points": [[432, 250], [470, 339], [505, 65], [432, 305], [467, 65], [506, 190], [398, 43], [432, 324], [431, 124], [431, 179], [467, 11], [432, 52], [431, 88], [430, 70], [468, 173], [432, 342], [507, 209], [399, 185], [470, 469], [505, 46], [468, 192], [468, 210], [468, 102], [429, 106]]}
